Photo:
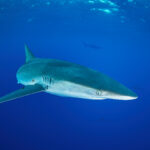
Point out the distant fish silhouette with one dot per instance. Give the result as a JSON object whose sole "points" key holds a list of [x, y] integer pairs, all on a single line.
{"points": [[92, 46]]}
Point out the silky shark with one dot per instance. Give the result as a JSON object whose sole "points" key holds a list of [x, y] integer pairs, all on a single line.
{"points": [[65, 79]]}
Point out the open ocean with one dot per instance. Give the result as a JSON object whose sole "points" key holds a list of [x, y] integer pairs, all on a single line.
{"points": [[110, 36]]}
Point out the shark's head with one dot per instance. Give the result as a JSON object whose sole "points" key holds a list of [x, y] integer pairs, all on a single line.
{"points": [[26, 75]]}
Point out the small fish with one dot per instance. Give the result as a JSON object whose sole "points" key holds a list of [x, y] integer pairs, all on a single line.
{"points": [[92, 46]]}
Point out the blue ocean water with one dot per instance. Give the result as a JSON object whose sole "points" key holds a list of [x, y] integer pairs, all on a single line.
{"points": [[110, 36]]}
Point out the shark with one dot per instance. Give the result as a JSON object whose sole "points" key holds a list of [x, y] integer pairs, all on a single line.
{"points": [[66, 79]]}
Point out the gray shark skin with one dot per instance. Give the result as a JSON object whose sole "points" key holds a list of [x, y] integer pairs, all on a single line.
{"points": [[66, 79]]}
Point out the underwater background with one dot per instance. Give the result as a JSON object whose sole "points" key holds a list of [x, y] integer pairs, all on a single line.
{"points": [[110, 36]]}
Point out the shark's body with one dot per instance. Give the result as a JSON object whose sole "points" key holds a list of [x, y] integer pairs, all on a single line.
{"points": [[66, 79]]}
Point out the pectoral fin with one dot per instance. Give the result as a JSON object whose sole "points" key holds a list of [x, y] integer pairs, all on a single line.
{"points": [[27, 90]]}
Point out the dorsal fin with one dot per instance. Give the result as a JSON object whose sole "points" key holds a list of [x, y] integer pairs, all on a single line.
{"points": [[29, 55]]}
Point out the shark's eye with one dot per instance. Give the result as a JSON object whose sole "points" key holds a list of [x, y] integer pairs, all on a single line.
{"points": [[33, 80]]}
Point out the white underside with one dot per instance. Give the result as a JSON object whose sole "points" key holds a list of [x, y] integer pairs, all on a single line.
{"points": [[69, 89]]}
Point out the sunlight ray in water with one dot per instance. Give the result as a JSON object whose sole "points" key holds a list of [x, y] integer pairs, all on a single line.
{"points": [[106, 7]]}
